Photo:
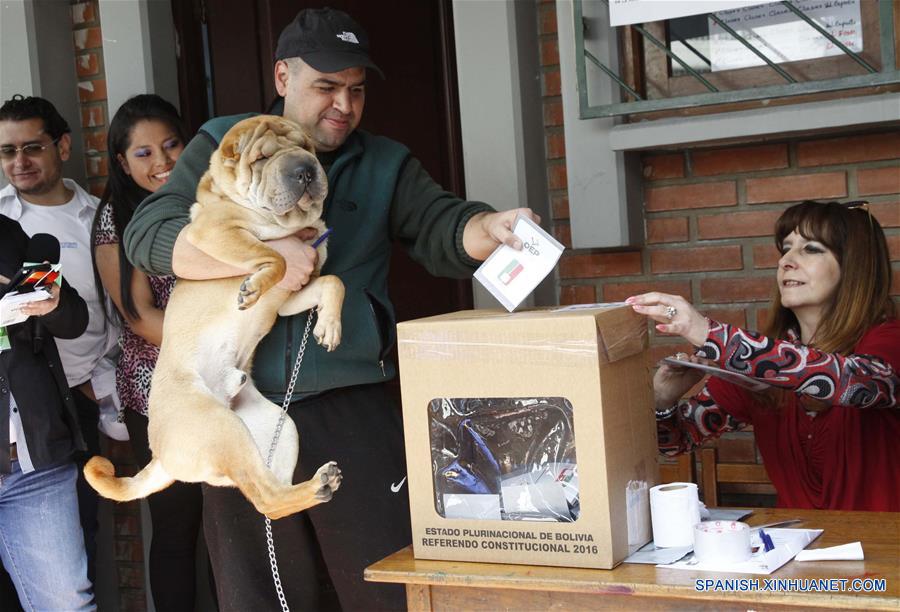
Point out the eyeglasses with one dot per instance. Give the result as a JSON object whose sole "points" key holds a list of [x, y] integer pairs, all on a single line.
{"points": [[32, 149]]}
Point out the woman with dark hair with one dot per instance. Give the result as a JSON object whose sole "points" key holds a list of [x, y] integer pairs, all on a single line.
{"points": [[145, 139], [827, 427]]}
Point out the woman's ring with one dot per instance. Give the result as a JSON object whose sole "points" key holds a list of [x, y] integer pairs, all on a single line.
{"points": [[671, 311]]}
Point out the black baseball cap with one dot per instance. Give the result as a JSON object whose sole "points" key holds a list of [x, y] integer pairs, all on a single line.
{"points": [[327, 39]]}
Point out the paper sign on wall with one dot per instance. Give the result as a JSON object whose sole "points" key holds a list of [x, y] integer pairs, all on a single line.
{"points": [[782, 36], [626, 12], [511, 275]]}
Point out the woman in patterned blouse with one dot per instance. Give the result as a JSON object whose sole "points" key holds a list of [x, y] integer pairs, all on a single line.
{"points": [[827, 427], [145, 139]]}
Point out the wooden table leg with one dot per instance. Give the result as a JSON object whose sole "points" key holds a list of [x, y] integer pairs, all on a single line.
{"points": [[418, 597]]}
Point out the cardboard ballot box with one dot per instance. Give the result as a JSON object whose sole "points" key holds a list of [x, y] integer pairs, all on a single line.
{"points": [[530, 437]]}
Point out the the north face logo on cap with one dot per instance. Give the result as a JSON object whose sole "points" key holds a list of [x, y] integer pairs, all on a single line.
{"points": [[349, 37]]}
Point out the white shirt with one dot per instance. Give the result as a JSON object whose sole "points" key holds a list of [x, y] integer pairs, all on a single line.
{"points": [[17, 436], [70, 223]]}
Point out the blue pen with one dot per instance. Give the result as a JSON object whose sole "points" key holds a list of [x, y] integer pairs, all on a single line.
{"points": [[322, 238], [766, 540]]}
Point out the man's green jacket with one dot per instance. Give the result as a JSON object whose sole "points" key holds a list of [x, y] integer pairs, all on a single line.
{"points": [[378, 193]]}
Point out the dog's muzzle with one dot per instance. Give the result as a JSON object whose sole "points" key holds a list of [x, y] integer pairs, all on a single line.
{"points": [[305, 174], [296, 178]]}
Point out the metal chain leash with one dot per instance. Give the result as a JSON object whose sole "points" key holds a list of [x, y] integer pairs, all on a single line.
{"points": [[270, 542]]}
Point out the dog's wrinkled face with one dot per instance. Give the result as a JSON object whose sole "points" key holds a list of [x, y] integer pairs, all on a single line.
{"points": [[268, 163]]}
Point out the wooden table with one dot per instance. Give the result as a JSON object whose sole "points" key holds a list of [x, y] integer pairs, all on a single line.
{"points": [[456, 586]]}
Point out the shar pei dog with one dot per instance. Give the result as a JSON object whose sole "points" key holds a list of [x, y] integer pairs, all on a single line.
{"points": [[208, 423]]}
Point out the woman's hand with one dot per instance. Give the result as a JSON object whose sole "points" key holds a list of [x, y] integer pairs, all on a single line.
{"points": [[671, 382], [42, 307], [674, 314]]}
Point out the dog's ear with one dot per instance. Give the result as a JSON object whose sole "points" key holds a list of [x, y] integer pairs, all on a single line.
{"points": [[234, 144], [228, 150]]}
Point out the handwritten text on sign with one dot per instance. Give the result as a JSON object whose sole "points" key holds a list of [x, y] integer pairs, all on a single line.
{"points": [[783, 37]]}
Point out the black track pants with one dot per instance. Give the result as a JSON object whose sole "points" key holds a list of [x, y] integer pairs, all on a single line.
{"points": [[332, 543], [175, 513]]}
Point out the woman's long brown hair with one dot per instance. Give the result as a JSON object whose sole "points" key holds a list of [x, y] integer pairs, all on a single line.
{"points": [[863, 295]]}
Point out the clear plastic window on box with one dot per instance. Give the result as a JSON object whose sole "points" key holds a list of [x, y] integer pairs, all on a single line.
{"points": [[510, 459]]}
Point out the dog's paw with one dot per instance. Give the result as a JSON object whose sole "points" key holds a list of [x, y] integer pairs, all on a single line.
{"points": [[329, 478], [249, 292], [256, 284], [328, 332]]}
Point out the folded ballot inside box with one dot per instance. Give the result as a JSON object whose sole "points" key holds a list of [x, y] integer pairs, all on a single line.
{"points": [[516, 454], [528, 435]]}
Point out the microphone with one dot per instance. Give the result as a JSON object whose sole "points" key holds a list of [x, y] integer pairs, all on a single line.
{"points": [[41, 248]]}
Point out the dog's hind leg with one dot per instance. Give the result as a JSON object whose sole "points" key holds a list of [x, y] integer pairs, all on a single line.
{"points": [[101, 474], [276, 500], [228, 453]]}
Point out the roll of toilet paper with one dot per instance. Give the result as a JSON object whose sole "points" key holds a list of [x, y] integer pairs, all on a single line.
{"points": [[674, 510], [722, 542]]}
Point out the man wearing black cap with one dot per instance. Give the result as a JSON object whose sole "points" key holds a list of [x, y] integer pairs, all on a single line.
{"points": [[378, 193]]}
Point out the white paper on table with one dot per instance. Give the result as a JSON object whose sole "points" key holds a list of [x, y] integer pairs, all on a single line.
{"points": [[844, 552], [788, 542], [728, 514], [511, 275], [650, 554]]}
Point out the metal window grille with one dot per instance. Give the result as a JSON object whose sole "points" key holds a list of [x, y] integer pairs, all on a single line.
{"points": [[638, 102]]}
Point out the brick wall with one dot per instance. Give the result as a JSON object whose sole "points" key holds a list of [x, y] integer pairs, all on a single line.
{"points": [[88, 42], [88, 51], [709, 214]]}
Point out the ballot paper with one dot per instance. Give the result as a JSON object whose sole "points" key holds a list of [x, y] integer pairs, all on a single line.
{"points": [[31, 284], [753, 384], [470, 506], [844, 552], [11, 302], [511, 275], [546, 494], [599, 305], [788, 542]]}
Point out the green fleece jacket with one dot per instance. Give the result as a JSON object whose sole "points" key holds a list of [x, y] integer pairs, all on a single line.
{"points": [[378, 193]]}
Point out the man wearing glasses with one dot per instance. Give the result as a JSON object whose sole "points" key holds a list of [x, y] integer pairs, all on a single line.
{"points": [[34, 143]]}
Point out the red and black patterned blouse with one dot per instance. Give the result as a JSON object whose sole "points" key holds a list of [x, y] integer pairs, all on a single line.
{"points": [[846, 457]]}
